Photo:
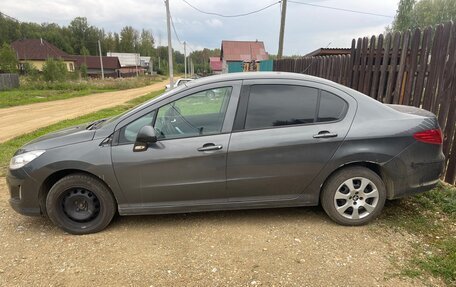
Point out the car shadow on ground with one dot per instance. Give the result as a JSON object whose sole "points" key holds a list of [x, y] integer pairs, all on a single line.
{"points": [[252, 216]]}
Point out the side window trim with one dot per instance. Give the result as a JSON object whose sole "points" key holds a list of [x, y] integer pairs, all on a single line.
{"points": [[231, 86], [241, 112], [232, 104]]}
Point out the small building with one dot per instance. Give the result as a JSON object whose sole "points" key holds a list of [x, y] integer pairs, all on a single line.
{"points": [[216, 65], [329, 52], [37, 51], [130, 63], [239, 56], [111, 65]]}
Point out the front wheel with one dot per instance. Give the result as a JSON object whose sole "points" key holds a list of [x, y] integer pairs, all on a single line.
{"points": [[353, 196], [80, 204]]}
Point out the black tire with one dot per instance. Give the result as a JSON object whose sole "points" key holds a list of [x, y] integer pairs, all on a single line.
{"points": [[80, 204], [357, 202]]}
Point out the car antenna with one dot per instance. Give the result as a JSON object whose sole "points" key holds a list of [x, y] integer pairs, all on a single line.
{"points": [[314, 62]]}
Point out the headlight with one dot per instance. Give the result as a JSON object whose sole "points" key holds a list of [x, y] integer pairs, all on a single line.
{"points": [[22, 159]]}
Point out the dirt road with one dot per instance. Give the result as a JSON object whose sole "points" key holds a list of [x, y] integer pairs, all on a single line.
{"points": [[275, 247], [18, 120]]}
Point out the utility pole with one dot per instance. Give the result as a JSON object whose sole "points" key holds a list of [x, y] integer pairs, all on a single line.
{"points": [[170, 48], [101, 60], [185, 59], [282, 28], [136, 64]]}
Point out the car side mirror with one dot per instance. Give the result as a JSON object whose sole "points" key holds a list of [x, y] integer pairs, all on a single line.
{"points": [[146, 136]]}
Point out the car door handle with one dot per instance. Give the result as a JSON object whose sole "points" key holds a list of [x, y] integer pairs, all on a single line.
{"points": [[210, 146], [324, 134]]}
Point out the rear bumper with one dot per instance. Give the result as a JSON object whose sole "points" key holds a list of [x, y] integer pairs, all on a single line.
{"points": [[417, 169], [23, 193]]}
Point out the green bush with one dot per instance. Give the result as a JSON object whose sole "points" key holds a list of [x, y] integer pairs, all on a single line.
{"points": [[8, 61], [54, 70], [83, 71], [30, 70]]}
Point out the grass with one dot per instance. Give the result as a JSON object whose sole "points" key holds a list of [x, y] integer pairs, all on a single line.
{"points": [[36, 91], [9, 147], [430, 216]]}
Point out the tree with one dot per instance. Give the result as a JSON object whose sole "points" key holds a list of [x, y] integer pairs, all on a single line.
{"points": [[405, 18], [109, 43], [146, 46], [8, 61], [432, 12], [84, 35], [420, 14], [54, 70], [128, 39], [201, 59]]}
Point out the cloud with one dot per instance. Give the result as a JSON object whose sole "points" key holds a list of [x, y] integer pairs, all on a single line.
{"points": [[214, 23]]}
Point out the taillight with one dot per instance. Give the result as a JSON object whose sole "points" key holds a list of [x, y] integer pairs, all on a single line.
{"points": [[430, 136]]}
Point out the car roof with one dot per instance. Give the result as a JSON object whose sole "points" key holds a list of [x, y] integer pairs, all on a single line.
{"points": [[257, 75]]}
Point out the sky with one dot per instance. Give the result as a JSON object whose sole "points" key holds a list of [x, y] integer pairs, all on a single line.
{"points": [[307, 28]]}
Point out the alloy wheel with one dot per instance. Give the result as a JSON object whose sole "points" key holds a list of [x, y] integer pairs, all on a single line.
{"points": [[356, 198]]}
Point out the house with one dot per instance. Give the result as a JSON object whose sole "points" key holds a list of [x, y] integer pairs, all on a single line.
{"points": [[37, 51], [239, 56], [130, 63], [216, 65], [329, 52], [111, 65]]}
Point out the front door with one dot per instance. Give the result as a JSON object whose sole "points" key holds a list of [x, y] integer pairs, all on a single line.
{"points": [[187, 165]]}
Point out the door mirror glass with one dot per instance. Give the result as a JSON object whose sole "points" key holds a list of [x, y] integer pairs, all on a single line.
{"points": [[145, 137]]}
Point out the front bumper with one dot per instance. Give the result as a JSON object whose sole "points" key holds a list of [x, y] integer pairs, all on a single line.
{"points": [[24, 192]]}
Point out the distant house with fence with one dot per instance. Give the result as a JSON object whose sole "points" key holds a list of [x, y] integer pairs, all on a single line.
{"points": [[244, 56], [131, 64], [37, 51], [111, 65]]}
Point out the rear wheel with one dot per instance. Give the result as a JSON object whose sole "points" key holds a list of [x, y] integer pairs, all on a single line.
{"points": [[80, 204], [353, 196]]}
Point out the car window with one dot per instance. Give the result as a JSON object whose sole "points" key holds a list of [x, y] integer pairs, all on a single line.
{"points": [[194, 115], [280, 105], [129, 132], [331, 108]]}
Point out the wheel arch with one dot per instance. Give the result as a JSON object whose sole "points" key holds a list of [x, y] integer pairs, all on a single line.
{"points": [[56, 176], [373, 166]]}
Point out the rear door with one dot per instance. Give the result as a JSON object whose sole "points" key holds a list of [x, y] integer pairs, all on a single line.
{"points": [[284, 134]]}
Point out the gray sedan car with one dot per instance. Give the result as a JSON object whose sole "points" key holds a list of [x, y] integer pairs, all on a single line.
{"points": [[236, 141]]}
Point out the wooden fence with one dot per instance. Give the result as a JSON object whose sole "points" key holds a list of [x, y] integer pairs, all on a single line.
{"points": [[9, 81], [415, 68]]}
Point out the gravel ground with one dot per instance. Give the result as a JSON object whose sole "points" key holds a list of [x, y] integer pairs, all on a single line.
{"points": [[275, 247]]}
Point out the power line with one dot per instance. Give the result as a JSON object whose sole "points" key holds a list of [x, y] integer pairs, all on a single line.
{"points": [[177, 36], [9, 17], [231, 16], [174, 29], [339, 9]]}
